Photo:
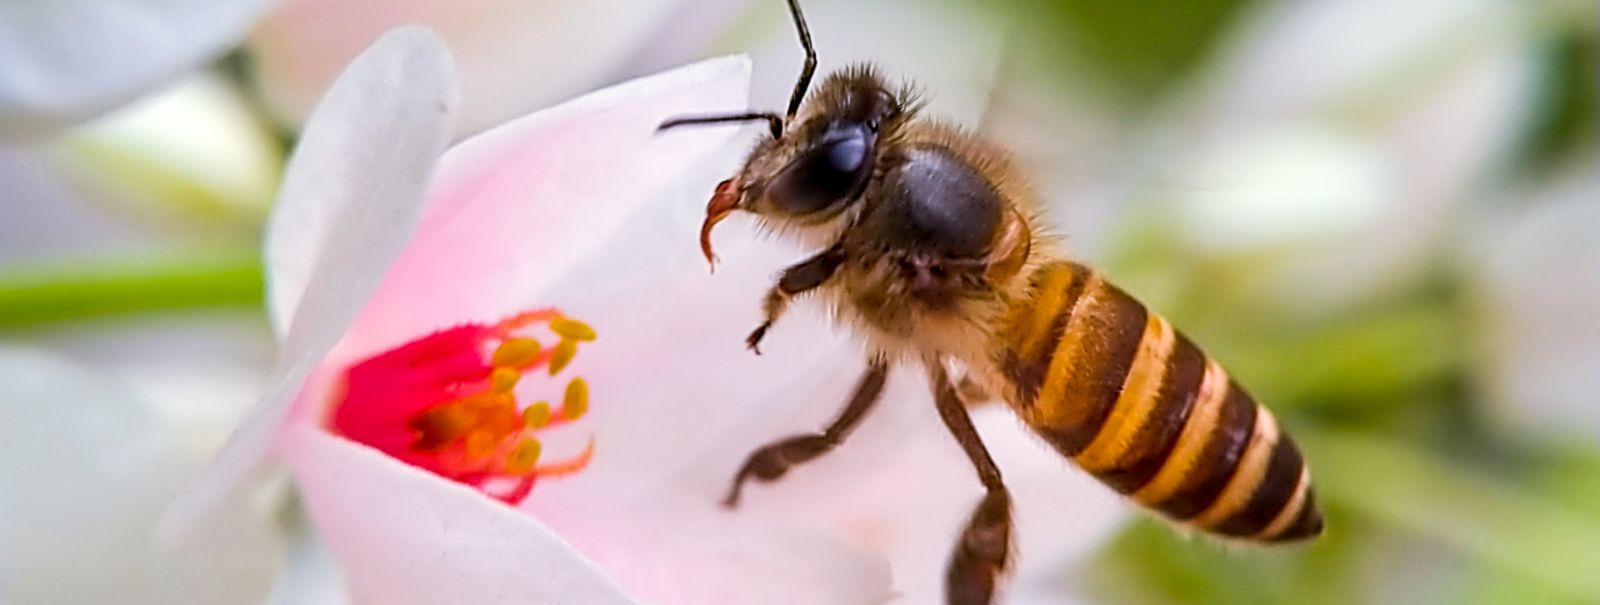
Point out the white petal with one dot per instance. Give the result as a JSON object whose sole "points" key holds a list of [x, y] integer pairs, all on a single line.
{"points": [[361, 168], [514, 55], [404, 535], [435, 541], [66, 60], [350, 199], [516, 207], [668, 547], [85, 470]]}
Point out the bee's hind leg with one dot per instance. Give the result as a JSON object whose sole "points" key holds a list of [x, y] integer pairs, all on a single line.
{"points": [[774, 459], [797, 279], [983, 553]]}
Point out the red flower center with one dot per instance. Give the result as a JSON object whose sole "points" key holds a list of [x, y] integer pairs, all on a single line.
{"points": [[447, 402]]}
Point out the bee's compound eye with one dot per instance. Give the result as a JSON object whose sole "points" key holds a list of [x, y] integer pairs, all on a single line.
{"points": [[822, 176]]}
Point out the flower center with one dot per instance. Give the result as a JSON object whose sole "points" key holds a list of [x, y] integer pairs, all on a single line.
{"points": [[448, 403]]}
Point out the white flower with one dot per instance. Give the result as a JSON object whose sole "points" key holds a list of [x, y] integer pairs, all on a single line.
{"points": [[378, 278]]}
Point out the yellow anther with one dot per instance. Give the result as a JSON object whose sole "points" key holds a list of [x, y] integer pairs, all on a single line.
{"points": [[480, 444], [536, 416], [524, 457], [572, 328], [515, 352], [502, 379], [576, 401], [565, 351]]}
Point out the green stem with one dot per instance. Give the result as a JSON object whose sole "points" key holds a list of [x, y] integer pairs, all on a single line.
{"points": [[43, 293]]}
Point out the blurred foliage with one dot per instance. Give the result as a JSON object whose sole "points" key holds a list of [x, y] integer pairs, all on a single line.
{"points": [[1138, 49], [1426, 501], [1562, 119]]}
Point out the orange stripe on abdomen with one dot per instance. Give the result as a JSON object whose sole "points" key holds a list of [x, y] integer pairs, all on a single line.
{"points": [[1137, 404], [1165, 417], [1034, 327], [1088, 367]]}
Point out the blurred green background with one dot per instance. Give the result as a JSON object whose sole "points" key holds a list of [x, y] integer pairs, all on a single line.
{"points": [[1383, 217]]}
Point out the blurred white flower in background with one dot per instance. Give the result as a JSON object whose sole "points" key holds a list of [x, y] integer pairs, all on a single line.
{"points": [[514, 55], [1329, 166], [62, 61], [88, 467], [1535, 281], [189, 153], [1357, 156]]}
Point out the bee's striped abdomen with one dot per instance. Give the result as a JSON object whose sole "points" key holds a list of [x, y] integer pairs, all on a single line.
{"points": [[1137, 404]]}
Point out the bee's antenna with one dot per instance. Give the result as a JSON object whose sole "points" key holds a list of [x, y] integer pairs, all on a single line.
{"points": [[773, 121], [811, 59]]}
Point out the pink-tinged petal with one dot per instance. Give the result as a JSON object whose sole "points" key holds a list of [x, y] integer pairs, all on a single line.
{"points": [[515, 55], [670, 375], [668, 547], [516, 207], [350, 199], [1061, 513], [403, 535], [67, 60]]}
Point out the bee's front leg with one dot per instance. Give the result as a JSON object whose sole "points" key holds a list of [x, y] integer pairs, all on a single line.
{"points": [[797, 279]]}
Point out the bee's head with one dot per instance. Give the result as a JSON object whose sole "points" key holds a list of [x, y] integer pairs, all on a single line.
{"points": [[814, 170]]}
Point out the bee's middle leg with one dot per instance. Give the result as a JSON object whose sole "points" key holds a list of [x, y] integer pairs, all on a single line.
{"points": [[774, 459], [983, 554]]}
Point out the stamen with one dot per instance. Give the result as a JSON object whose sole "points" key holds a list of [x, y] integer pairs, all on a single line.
{"points": [[572, 328], [516, 352], [525, 319], [565, 351], [570, 465], [576, 401], [524, 457], [536, 416], [503, 379]]}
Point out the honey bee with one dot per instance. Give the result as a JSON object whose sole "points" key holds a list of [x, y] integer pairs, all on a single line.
{"points": [[931, 249]]}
